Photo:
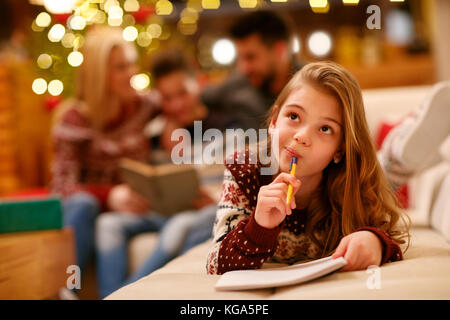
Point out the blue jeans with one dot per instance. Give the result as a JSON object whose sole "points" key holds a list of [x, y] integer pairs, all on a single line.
{"points": [[113, 232], [181, 233], [79, 212]]}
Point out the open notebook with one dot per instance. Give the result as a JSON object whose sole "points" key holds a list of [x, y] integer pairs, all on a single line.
{"points": [[277, 277]]}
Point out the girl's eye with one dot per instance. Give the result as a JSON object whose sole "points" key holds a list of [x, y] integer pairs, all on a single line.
{"points": [[292, 116], [326, 129]]}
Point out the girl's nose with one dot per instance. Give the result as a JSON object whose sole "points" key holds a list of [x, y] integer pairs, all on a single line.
{"points": [[302, 137]]}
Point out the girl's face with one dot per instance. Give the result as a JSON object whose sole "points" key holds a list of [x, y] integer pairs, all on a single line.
{"points": [[121, 69], [310, 127]]}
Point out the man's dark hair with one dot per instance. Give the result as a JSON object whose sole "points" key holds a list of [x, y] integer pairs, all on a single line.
{"points": [[169, 61], [267, 24]]}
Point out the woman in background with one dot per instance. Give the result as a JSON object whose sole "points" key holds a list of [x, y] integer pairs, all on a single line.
{"points": [[102, 123]]}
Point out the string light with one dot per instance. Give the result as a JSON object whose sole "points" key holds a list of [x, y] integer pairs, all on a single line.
{"points": [[154, 30], [319, 43], [210, 4], [248, 4], [163, 8], [77, 23], [39, 86], [144, 39], [224, 51], [131, 5], [140, 81], [130, 33], [44, 61], [55, 87], [350, 2], [75, 58], [56, 32], [319, 6], [43, 20], [59, 6]]}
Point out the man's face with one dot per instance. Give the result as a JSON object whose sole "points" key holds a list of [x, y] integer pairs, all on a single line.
{"points": [[179, 95], [256, 60]]}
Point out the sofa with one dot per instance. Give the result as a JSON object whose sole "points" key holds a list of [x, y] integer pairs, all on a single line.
{"points": [[423, 274]]}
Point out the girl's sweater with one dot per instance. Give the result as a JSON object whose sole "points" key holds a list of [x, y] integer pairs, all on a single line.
{"points": [[240, 243]]}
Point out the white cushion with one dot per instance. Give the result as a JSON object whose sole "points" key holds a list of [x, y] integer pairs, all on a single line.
{"points": [[440, 212]]}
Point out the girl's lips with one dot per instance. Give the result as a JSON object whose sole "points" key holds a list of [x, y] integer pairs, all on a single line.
{"points": [[291, 152]]}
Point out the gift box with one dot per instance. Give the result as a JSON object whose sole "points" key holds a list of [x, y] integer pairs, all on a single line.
{"points": [[30, 215]]}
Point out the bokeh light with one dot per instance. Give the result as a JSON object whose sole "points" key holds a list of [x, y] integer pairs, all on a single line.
{"points": [[56, 32], [44, 61], [77, 23], [75, 58], [319, 43], [224, 51], [39, 86], [164, 7], [130, 33], [144, 39], [140, 81], [59, 6], [55, 87], [131, 5], [43, 20], [154, 30]]}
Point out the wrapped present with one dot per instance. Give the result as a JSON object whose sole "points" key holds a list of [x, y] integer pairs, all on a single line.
{"points": [[17, 215]]}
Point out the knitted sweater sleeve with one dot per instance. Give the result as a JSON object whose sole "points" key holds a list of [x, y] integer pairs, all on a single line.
{"points": [[68, 137], [391, 250], [239, 242]]}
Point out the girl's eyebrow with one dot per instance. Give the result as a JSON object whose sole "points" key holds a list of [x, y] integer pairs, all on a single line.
{"points": [[303, 109]]}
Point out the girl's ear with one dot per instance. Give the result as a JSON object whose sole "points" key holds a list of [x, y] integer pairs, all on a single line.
{"points": [[339, 154], [272, 125]]}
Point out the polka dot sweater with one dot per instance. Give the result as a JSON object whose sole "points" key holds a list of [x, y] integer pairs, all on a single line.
{"points": [[240, 243]]}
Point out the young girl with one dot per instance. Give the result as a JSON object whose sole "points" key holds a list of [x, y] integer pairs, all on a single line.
{"points": [[342, 204]]}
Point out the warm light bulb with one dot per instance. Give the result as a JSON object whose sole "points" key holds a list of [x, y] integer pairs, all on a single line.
{"points": [[224, 51], [164, 7], [59, 6], [39, 86], [154, 30], [77, 23], [75, 58], [130, 33], [56, 32], [140, 81], [55, 87], [319, 43], [44, 61], [43, 20]]}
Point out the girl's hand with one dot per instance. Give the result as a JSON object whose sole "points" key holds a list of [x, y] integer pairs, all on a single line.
{"points": [[123, 199], [361, 249], [271, 208]]}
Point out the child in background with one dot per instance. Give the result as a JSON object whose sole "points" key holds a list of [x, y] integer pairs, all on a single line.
{"points": [[342, 203]]}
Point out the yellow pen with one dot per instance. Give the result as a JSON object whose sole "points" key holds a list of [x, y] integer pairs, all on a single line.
{"points": [[292, 169]]}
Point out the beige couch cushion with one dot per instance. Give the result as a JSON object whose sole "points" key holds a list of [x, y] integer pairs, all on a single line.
{"points": [[140, 248], [424, 274]]}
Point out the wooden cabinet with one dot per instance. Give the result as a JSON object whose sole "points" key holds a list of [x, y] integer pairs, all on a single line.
{"points": [[33, 265]]}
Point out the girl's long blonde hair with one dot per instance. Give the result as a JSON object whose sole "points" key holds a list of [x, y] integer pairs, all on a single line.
{"points": [[354, 193], [91, 88]]}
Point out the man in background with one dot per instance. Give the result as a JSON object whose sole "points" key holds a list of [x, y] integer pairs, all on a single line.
{"points": [[264, 66]]}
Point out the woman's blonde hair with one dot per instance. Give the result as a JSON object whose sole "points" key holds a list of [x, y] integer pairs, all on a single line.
{"points": [[91, 87], [354, 193]]}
